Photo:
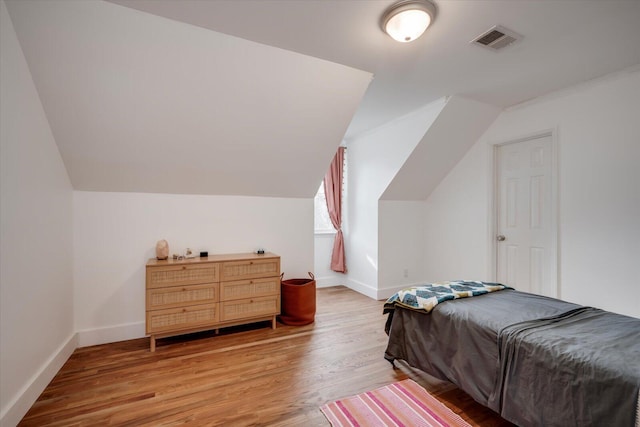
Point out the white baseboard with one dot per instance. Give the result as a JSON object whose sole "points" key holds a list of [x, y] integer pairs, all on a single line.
{"points": [[363, 288], [26, 397], [127, 331], [327, 282]]}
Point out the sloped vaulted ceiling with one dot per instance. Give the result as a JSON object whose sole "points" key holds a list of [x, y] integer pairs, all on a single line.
{"points": [[137, 102], [458, 126], [158, 95]]}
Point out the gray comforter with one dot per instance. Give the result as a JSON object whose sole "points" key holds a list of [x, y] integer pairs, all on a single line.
{"points": [[535, 360]]}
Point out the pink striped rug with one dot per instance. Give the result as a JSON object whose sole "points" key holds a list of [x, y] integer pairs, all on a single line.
{"points": [[404, 403]]}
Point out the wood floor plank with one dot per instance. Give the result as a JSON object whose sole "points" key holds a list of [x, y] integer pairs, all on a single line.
{"points": [[244, 376]]}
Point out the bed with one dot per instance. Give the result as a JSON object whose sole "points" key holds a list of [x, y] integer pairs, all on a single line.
{"points": [[537, 361]]}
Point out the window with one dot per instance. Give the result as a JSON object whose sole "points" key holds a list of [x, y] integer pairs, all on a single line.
{"points": [[322, 222]]}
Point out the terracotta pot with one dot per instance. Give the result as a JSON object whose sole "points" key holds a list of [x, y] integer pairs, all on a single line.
{"points": [[298, 301]]}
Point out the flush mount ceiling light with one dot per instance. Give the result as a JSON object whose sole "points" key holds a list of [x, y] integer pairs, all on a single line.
{"points": [[406, 20]]}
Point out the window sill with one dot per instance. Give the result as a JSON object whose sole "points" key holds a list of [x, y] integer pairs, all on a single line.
{"points": [[324, 232]]}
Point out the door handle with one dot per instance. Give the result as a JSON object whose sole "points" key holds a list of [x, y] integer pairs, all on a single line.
{"points": [[501, 238]]}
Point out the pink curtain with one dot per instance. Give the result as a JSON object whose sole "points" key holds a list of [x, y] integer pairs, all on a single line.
{"points": [[333, 194]]}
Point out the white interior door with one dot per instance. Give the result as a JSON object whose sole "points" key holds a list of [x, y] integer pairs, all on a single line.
{"points": [[526, 224]]}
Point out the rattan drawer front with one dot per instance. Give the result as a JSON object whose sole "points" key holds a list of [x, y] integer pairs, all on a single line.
{"points": [[181, 296], [247, 308], [249, 288], [158, 277], [176, 319], [237, 270]]}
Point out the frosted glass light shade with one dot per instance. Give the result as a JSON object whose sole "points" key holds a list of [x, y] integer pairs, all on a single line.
{"points": [[407, 20]]}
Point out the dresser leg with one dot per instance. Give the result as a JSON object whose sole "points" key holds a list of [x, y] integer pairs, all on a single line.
{"points": [[152, 344], [273, 322]]}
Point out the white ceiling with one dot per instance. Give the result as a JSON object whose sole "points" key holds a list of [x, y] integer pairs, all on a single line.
{"points": [[565, 42], [138, 102], [431, 160]]}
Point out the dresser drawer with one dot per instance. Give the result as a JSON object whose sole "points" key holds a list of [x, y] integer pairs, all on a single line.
{"points": [[247, 269], [249, 288], [250, 307], [175, 319], [158, 277], [179, 296]]}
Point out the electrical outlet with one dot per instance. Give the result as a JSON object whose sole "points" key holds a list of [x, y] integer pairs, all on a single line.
{"points": [[406, 272]]}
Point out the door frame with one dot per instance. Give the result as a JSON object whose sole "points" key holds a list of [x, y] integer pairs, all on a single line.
{"points": [[554, 268]]}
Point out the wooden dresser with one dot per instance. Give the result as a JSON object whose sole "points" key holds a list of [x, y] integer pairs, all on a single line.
{"points": [[191, 295]]}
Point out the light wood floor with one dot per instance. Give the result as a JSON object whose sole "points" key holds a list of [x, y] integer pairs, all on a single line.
{"points": [[244, 376]]}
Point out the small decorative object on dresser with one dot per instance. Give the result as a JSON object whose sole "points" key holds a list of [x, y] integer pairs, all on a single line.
{"points": [[162, 249], [198, 294]]}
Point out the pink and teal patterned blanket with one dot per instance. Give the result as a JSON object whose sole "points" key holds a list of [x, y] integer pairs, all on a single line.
{"points": [[426, 297]]}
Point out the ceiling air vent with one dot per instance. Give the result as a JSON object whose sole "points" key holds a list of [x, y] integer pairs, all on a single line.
{"points": [[496, 38]]}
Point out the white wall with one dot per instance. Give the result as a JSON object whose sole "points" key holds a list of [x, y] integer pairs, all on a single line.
{"points": [[374, 159], [36, 294], [401, 245], [401, 222], [455, 222], [116, 233], [597, 127]]}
